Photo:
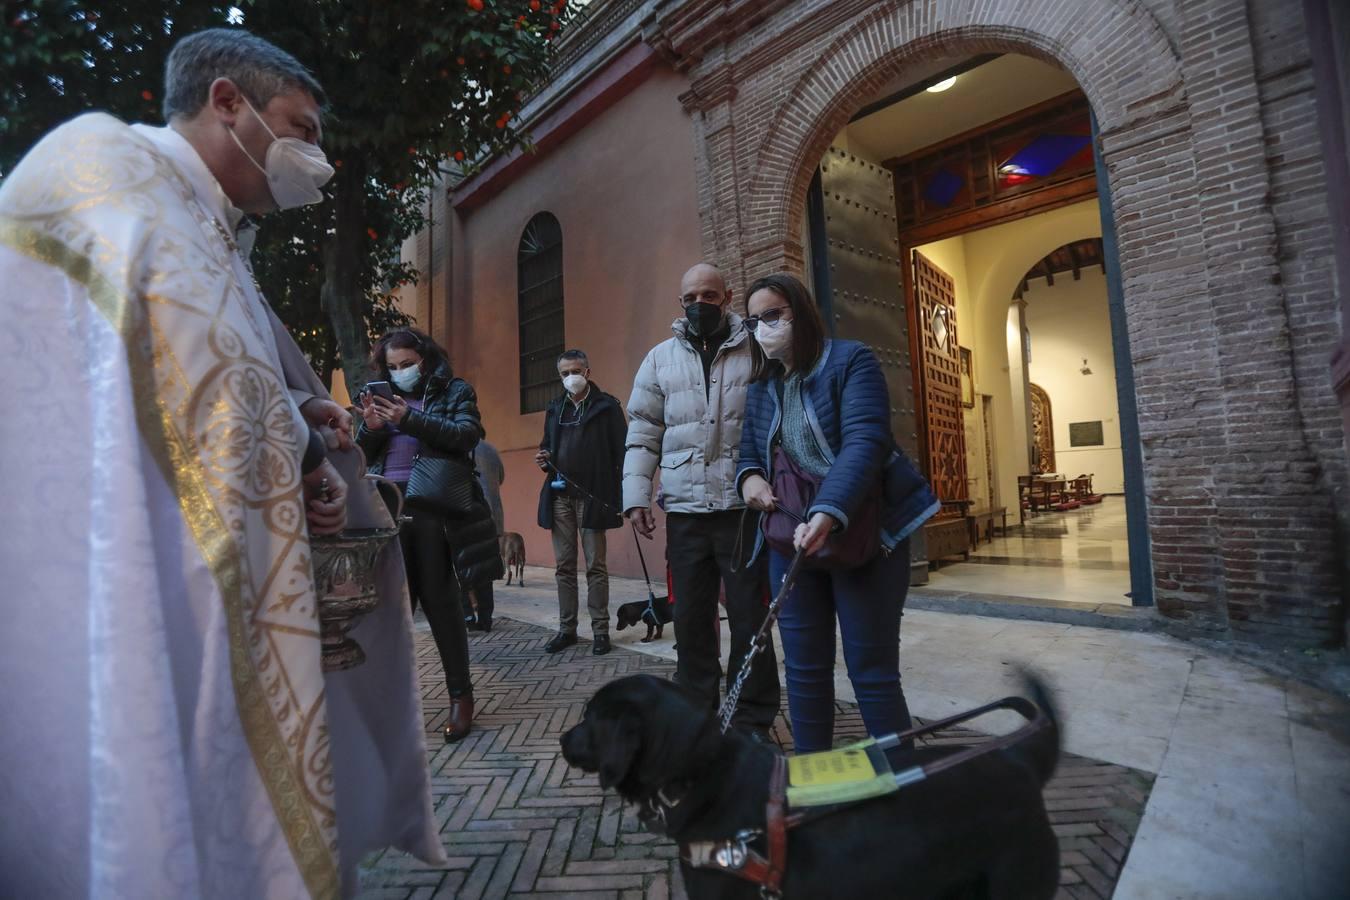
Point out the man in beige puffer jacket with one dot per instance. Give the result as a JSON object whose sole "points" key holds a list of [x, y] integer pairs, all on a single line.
{"points": [[685, 417]]}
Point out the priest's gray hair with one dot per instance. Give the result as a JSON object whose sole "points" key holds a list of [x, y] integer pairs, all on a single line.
{"points": [[260, 69]]}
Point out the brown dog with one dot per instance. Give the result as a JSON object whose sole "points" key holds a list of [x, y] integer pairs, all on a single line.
{"points": [[513, 554]]}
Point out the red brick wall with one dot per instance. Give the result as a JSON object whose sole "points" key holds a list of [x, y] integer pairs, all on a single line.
{"points": [[1208, 121]]}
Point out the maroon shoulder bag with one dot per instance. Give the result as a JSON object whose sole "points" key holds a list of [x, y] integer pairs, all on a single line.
{"points": [[796, 490]]}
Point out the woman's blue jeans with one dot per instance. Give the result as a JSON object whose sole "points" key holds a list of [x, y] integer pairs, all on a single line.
{"points": [[868, 603]]}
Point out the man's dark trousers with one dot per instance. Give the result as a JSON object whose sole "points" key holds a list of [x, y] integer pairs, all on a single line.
{"points": [[700, 548]]}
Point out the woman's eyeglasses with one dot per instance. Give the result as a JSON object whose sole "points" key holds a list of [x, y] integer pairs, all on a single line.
{"points": [[770, 317]]}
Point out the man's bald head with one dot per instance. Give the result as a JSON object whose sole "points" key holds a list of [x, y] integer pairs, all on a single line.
{"points": [[704, 283], [703, 273]]}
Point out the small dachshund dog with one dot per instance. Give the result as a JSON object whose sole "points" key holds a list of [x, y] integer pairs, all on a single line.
{"points": [[654, 614]]}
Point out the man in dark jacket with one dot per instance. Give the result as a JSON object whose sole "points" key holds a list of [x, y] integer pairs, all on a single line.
{"points": [[582, 454]]}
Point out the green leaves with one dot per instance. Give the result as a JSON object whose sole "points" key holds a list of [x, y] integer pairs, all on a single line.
{"points": [[415, 88]]}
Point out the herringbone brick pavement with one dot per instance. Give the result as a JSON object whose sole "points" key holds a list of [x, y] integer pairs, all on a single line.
{"points": [[517, 822]]}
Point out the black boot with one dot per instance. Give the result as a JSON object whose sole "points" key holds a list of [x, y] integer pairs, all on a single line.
{"points": [[561, 641], [483, 594]]}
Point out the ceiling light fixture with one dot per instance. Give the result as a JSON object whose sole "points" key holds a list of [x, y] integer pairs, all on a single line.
{"points": [[941, 85]]}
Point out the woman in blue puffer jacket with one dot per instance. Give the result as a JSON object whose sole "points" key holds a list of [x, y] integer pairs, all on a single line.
{"points": [[825, 403]]}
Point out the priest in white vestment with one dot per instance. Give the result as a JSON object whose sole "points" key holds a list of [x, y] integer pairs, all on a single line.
{"points": [[166, 729]]}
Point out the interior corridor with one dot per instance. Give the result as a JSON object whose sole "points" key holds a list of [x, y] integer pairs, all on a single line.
{"points": [[1080, 556]]}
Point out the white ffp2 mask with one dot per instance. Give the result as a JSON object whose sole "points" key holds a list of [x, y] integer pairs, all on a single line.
{"points": [[295, 169], [776, 342]]}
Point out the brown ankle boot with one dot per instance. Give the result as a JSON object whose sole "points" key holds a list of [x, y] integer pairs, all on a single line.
{"points": [[461, 717]]}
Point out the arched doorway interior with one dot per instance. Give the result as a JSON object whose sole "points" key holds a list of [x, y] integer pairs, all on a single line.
{"points": [[871, 204]]}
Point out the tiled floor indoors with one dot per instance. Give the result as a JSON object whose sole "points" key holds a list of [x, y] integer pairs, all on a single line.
{"points": [[1081, 555]]}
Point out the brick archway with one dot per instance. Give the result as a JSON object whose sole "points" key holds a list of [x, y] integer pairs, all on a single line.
{"points": [[1140, 78], [1198, 245]]}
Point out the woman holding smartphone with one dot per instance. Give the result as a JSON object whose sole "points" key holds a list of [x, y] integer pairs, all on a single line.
{"points": [[421, 416]]}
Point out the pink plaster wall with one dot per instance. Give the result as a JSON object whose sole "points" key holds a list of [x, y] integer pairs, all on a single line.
{"points": [[623, 190]]}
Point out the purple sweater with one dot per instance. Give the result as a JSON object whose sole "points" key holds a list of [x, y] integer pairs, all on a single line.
{"points": [[401, 450]]}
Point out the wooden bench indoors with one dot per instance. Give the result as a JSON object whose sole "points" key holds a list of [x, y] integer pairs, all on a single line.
{"points": [[981, 523]]}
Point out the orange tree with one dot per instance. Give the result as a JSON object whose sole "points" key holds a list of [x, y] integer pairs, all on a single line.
{"points": [[416, 88]]}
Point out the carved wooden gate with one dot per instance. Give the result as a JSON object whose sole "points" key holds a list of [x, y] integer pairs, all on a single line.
{"points": [[940, 372], [860, 288]]}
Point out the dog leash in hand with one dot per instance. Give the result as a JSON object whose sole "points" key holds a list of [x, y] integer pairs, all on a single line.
{"points": [[762, 637], [581, 490], [651, 594]]}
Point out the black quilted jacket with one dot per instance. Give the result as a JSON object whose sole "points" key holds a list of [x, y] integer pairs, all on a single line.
{"points": [[448, 422]]}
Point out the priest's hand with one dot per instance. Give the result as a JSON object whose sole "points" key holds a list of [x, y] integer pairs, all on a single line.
{"points": [[333, 422], [325, 500]]}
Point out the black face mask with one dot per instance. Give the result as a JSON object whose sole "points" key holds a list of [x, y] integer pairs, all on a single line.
{"points": [[704, 319]]}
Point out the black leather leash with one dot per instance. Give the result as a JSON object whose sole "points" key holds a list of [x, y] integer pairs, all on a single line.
{"points": [[651, 594]]}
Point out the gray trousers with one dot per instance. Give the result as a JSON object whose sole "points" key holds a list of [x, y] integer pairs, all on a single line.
{"points": [[566, 519]]}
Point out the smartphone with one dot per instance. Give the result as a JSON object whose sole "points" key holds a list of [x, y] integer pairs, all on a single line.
{"points": [[380, 389]]}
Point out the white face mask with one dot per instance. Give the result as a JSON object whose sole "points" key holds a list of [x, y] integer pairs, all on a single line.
{"points": [[406, 379], [776, 342], [574, 383], [295, 169]]}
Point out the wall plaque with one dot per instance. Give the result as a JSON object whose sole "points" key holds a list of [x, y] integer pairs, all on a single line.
{"points": [[1085, 434]]}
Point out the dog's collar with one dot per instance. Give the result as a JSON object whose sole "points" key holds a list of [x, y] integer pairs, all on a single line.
{"points": [[655, 809], [735, 856]]}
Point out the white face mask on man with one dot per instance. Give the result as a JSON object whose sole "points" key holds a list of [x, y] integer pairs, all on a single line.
{"points": [[574, 383], [295, 169]]}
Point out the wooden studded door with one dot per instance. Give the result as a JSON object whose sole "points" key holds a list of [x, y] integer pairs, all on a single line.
{"points": [[940, 373], [859, 287]]}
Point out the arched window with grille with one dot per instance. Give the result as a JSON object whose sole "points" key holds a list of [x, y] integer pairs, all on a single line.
{"points": [[539, 289]]}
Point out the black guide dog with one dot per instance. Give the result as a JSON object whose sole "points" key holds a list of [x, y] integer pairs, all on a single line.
{"points": [[978, 830]]}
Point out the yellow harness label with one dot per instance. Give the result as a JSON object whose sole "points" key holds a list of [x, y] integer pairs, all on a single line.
{"points": [[847, 775], [830, 767]]}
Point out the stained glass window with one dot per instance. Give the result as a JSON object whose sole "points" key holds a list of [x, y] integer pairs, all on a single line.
{"points": [[1042, 156], [942, 187], [1047, 145]]}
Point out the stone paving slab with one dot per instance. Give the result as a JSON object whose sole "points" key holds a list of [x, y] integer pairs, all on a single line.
{"points": [[516, 821]]}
